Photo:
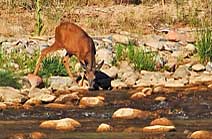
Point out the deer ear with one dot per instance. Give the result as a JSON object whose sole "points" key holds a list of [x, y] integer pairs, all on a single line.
{"points": [[83, 65], [98, 67]]}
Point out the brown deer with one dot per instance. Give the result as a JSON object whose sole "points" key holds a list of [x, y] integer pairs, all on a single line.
{"points": [[76, 42]]}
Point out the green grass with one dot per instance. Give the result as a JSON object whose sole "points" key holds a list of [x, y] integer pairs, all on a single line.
{"points": [[53, 66], [137, 56], [8, 78], [204, 45]]}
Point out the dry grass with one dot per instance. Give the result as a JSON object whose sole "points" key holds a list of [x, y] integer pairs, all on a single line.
{"points": [[103, 17]]}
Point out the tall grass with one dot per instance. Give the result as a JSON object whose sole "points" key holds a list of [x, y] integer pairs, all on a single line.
{"points": [[137, 56], [53, 66], [204, 45], [39, 21]]}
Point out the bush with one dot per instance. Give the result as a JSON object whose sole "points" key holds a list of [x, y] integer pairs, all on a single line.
{"points": [[204, 45], [7, 78]]}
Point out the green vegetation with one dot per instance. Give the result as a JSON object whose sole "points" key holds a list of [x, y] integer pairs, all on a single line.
{"points": [[54, 66], [137, 56], [39, 22], [23, 63], [204, 45], [18, 60], [8, 78]]}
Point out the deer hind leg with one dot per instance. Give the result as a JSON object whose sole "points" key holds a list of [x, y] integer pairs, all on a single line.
{"points": [[66, 64], [44, 52]]}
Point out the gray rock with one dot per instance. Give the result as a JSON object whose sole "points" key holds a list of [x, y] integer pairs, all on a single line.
{"points": [[209, 67], [150, 78], [9, 94], [58, 82], [198, 67], [111, 72], [120, 39], [181, 72], [104, 54], [191, 48]]}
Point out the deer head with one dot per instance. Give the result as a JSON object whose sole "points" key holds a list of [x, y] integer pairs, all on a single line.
{"points": [[90, 73]]}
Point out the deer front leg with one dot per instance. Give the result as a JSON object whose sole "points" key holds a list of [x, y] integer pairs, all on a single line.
{"points": [[66, 64], [44, 52]]}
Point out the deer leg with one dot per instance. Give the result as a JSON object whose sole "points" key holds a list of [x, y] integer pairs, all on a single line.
{"points": [[66, 64], [44, 52]]}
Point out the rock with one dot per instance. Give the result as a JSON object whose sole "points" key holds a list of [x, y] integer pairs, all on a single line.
{"points": [[158, 128], [148, 78], [2, 106], [104, 54], [91, 102], [34, 80], [171, 64], [68, 98], [162, 121], [118, 84], [176, 83], [41, 95], [137, 96], [145, 92], [63, 124], [37, 135], [104, 128], [120, 39], [129, 113], [160, 98], [47, 98], [201, 135], [177, 36], [60, 83], [9, 94], [33, 102], [191, 48], [173, 36], [181, 72], [125, 67], [198, 67], [36, 92], [203, 77], [111, 72], [209, 66]]}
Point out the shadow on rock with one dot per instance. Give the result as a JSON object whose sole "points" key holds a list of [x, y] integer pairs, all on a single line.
{"points": [[102, 81]]}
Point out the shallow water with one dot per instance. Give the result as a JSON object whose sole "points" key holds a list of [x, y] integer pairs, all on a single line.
{"points": [[188, 111]]}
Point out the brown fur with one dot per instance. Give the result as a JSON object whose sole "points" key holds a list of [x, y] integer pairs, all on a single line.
{"points": [[76, 42]]}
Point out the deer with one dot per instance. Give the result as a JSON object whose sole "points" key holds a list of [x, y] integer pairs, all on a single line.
{"points": [[77, 42]]}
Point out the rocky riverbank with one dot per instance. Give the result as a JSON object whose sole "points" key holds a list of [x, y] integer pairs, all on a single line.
{"points": [[177, 70]]}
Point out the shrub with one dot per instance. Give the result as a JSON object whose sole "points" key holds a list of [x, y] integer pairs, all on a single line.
{"points": [[7, 78], [204, 45]]}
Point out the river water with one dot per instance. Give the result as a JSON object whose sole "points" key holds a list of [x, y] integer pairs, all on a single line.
{"points": [[189, 111]]}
